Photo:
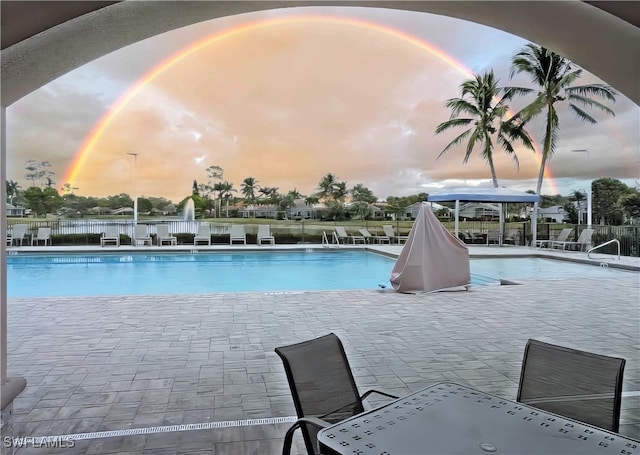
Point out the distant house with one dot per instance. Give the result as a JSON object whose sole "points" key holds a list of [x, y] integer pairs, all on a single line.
{"points": [[479, 211], [553, 214], [374, 212], [12, 210], [259, 211], [123, 211], [302, 211]]}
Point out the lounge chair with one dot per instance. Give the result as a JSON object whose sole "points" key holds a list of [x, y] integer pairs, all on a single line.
{"points": [[342, 235], [322, 385], [43, 235], [583, 241], [562, 237], [237, 234], [369, 238], [391, 233], [203, 235], [572, 383], [110, 235], [141, 235], [511, 237], [493, 237], [264, 235], [163, 236], [18, 234]]}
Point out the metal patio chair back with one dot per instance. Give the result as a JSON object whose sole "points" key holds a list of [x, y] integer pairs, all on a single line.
{"points": [[572, 383], [322, 385]]}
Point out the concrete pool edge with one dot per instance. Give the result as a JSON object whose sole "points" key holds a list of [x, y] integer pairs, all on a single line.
{"points": [[391, 251]]}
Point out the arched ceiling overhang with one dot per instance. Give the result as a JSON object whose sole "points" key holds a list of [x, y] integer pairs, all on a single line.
{"points": [[44, 40]]}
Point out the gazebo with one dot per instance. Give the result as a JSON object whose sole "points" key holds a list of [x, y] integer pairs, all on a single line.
{"points": [[482, 194]]}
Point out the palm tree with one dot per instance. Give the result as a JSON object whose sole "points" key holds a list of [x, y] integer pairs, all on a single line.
{"points": [[12, 190], [553, 76], [485, 113], [326, 186], [248, 188], [578, 196]]}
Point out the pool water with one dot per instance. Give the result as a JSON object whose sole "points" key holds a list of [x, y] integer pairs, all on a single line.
{"points": [[185, 273]]}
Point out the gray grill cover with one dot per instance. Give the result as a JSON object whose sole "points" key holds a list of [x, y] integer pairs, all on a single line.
{"points": [[432, 259]]}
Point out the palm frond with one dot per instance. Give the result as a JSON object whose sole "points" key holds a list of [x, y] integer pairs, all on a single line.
{"points": [[452, 124], [582, 115], [589, 102], [458, 105], [510, 92], [475, 137], [533, 109], [600, 90], [461, 137]]}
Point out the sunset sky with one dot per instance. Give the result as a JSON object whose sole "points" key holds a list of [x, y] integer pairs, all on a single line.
{"points": [[288, 96]]}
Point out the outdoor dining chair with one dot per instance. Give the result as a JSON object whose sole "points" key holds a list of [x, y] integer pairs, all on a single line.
{"points": [[572, 383], [322, 385]]}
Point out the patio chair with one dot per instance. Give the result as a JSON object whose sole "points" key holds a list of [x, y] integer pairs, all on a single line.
{"points": [[43, 235], [18, 234], [376, 238], [572, 383], [264, 235], [584, 240], [203, 235], [163, 236], [111, 234], [391, 233], [322, 386], [562, 237], [342, 235], [237, 234], [141, 235]]}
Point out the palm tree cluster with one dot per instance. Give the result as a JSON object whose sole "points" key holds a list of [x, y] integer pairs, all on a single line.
{"points": [[482, 108]]}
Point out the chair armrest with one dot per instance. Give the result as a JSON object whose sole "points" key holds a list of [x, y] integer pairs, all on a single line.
{"points": [[369, 392], [288, 438]]}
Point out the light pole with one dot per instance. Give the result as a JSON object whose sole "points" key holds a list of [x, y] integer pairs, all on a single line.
{"points": [[135, 186], [589, 211]]}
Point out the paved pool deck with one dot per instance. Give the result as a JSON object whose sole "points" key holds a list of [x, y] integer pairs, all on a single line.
{"points": [[190, 374]]}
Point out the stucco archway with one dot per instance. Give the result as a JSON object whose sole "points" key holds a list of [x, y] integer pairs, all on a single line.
{"points": [[78, 32]]}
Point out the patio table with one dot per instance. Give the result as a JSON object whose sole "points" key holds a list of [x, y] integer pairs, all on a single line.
{"points": [[449, 418]]}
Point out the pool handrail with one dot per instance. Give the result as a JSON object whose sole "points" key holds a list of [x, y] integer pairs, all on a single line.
{"points": [[604, 244]]}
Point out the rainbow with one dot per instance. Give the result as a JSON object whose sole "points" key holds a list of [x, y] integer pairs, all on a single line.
{"points": [[92, 138]]}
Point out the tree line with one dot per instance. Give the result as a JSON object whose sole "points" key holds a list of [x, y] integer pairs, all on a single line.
{"points": [[481, 109]]}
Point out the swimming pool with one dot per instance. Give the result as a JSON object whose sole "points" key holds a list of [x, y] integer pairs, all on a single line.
{"points": [[185, 273]]}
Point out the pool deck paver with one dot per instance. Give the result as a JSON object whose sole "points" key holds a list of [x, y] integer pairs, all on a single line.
{"points": [[125, 362]]}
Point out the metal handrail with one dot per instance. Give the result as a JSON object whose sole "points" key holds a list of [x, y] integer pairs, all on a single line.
{"points": [[603, 244]]}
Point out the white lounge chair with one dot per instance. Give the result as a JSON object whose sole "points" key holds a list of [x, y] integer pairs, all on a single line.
{"points": [[391, 233], [562, 237], [342, 235], [43, 235], [203, 235], [584, 240], [264, 235], [237, 234], [141, 235], [111, 235], [163, 236], [18, 234], [373, 238]]}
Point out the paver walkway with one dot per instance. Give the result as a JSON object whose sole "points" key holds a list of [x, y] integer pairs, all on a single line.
{"points": [[122, 363]]}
